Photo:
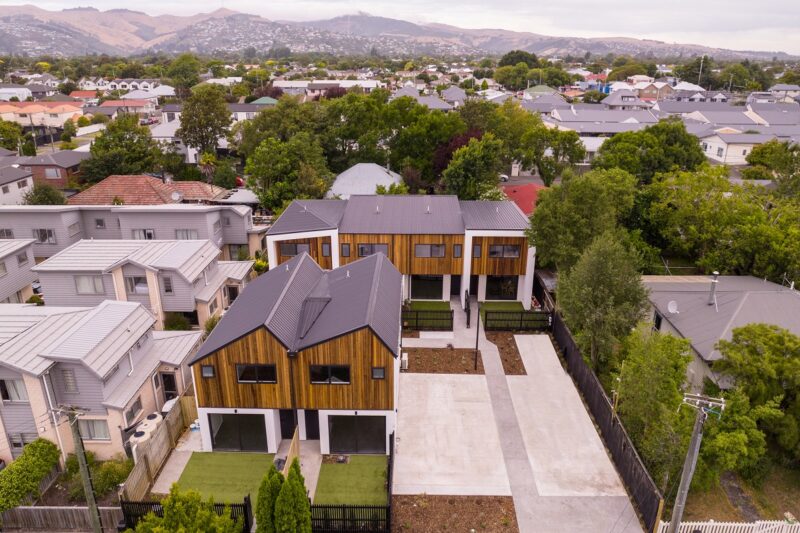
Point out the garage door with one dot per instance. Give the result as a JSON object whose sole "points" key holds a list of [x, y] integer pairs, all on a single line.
{"points": [[426, 287], [241, 433], [357, 434]]}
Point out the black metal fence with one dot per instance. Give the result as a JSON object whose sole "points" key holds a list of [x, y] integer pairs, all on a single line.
{"points": [[630, 466], [517, 320], [132, 512], [428, 320]]}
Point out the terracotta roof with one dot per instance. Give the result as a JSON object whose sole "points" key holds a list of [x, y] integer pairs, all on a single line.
{"points": [[83, 94], [524, 195], [125, 103], [144, 190]]}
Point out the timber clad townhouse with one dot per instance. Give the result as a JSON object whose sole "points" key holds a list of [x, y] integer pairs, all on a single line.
{"points": [[54, 228], [440, 245], [308, 348]]}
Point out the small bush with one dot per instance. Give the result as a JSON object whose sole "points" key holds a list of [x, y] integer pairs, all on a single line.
{"points": [[211, 323], [67, 144], [176, 322], [109, 474], [72, 463], [35, 299], [84, 121], [260, 266], [241, 255]]}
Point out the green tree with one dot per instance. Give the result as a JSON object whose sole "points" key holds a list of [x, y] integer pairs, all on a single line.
{"points": [[184, 72], [69, 131], [781, 162], [205, 119], [10, 135], [225, 174], [267, 496], [44, 194], [394, 188], [602, 297], [124, 147], [292, 510], [514, 57], [474, 168], [186, 511], [593, 97], [551, 152]]}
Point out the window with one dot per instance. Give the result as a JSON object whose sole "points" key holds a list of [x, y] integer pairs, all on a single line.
{"points": [[657, 319], [503, 250], [100, 223], [73, 229], [226, 221], [89, 284], [168, 285], [22, 259], [256, 374], [456, 250], [134, 410], [429, 250], [6, 233], [136, 285], [186, 234], [143, 234], [52, 173], [720, 151], [207, 371], [22, 184], [290, 249], [330, 374], [378, 372], [217, 226], [744, 152], [5, 189], [345, 250], [476, 250], [3, 270], [368, 249], [94, 429], [212, 307], [13, 390], [44, 236], [326, 249], [70, 383]]}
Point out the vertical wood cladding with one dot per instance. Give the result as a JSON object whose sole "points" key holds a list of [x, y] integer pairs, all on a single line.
{"points": [[493, 266], [402, 251], [361, 350], [315, 250]]}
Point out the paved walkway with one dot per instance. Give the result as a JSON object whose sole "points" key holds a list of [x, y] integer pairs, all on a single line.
{"points": [[188, 443]]}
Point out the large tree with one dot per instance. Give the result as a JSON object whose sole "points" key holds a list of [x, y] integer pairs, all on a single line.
{"points": [[124, 147], [474, 168], [551, 152], [292, 510], [184, 71], [44, 194], [602, 297], [205, 119], [779, 161], [10, 135]]}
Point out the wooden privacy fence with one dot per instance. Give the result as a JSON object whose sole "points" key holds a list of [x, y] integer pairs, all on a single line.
{"points": [[771, 526], [44, 485], [634, 474], [189, 409], [59, 519], [517, 320], [294, 452], [428, 320], [132, 512]]}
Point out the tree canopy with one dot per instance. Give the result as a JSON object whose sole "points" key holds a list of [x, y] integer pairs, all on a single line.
{"points": [[124, 147], [205, 119], [44, 194], [474, 168]]}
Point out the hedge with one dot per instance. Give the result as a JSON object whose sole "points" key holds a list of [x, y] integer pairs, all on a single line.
{"points": [[22, 477]]}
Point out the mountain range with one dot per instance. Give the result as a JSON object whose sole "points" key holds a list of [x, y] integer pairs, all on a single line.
{"points": [[27, 29]]}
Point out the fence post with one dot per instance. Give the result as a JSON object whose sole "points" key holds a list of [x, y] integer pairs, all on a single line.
{"points": [[248, 514]]}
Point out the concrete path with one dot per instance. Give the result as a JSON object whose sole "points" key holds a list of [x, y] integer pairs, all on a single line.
{"points": [[171, 472]]}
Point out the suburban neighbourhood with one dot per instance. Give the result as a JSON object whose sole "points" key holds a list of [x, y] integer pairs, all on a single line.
{"points": [[367, 275]]}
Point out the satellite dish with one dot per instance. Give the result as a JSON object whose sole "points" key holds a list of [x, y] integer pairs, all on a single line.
{"points": [[176, 196], [672, 307]]}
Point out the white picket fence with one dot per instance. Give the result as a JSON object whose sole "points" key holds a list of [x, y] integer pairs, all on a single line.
{"points": [[765, 526]]}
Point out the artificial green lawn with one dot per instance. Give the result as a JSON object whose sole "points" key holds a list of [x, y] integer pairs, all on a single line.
{"points": [[225, 476], [500, 306], [362, 481], [429, 305]]}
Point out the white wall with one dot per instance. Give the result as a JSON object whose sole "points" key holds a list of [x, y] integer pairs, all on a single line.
{"points": [[15, 194]]}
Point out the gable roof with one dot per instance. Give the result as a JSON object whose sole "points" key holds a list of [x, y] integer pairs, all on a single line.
{"points": [[12, 173], [140, 189], [303, 305], [362, 178], [309, 215], [62, 159]]}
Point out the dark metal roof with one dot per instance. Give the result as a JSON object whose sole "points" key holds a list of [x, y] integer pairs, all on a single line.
{"points": [[501, 215], [309, 215], [401, 214], [303, 305], [11, 174]]}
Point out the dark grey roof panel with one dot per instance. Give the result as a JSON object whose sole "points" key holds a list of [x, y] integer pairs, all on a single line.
{"points": [[11, 174], [399, 214], [484, 215], [309, 215], [283, 320]]}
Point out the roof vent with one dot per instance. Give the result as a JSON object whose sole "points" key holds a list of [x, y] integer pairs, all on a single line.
{"points": [[287, 267], [428, 210], [497, 209], [377, 209], [348, 273]]}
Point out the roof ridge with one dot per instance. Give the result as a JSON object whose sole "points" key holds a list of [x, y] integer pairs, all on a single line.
{"points": [[373, 297]]}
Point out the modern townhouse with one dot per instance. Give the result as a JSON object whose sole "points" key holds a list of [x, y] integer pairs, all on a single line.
{"points": [[176, 276], [54, 228], [15, 182], [16, 278], [441, 245], [309, 349], [107, 360]]}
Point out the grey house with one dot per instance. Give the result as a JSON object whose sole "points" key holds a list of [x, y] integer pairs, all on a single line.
{"points": [[176, 276], [16, 260], [107, 358]]}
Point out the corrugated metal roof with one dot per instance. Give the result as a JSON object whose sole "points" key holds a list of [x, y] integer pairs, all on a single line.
{"points": [[401, 214], [501, 215], [172, 346], [235, 270], [10, 246], [309, 215]]}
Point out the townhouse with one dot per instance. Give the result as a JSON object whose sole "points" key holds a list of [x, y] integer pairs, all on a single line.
{"points": [[16, 277], [40, 114], [107, 359], [175, 276], [441, 246], [54, 228], [309, 349]]}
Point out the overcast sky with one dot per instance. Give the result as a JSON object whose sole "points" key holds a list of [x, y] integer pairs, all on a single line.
{"points": [[736, 24]]}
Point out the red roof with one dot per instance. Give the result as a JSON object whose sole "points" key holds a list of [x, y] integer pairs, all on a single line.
{"points": [[125, 103], [596, 77], [524, 195], [83, 94], [144, 190]]}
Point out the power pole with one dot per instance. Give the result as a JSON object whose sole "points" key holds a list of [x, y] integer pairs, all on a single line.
{"points": [[80, 453], [704, 406], [700, 74]]}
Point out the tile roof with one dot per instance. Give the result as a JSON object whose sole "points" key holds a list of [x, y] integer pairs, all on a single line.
{"points": [[524, 195], [125, 103], [139, 189]]}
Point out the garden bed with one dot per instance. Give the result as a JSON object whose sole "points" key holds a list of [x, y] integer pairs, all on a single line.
{"points": [[509, 353], [487, 514], [443, 361]]}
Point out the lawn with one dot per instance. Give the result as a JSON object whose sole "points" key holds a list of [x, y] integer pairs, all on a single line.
{"points": [[429, 305], [226, 476], [500, 306], [362, 481]]}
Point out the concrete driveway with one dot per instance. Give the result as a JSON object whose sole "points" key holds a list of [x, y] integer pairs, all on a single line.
{"points": [[447, 438]]}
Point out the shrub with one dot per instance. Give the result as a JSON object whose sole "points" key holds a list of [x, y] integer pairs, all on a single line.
{"points": [[260, 266], [84, 121], [35, 299], [22, 477], [72, 463], [67, 144], [241, 255], [176, 322], [106, 476], [211, 323]]}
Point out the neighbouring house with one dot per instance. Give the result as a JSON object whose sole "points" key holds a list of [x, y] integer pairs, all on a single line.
{"points": [[309, 349], [85, 96], [15, 183], [107, 359], [175, 276], [732, 148], [706, 310], [141, 189], [625, 100], [59, 169], [13, 90], [40, 114], [454, 95], [443, 247], [785, 92], [265, 101], [130, 84], [524, 195], [137, 107], [362, 178], [16, 277]]}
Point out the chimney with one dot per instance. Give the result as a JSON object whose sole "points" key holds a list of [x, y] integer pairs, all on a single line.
{"points": [[712, 296]]}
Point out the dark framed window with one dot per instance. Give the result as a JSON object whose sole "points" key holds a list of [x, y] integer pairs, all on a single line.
{"points": [[657, 319], [290, 249], [207, 371], [429, 250], [456, 250], [476, 250], [498, 251], [326, 249], [378, 372], [330, 374], [345, 250], [256, 374], [368, 249]]}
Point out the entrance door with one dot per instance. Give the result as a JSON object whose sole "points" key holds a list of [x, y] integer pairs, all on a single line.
{"points": [[312, 424], [455, 285], [357, 434], [241, 433], [287, 423], [170, 385], [233, 293]]}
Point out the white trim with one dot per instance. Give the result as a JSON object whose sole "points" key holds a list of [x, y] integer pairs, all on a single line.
{"points": [[527, 285], [272, 240]]}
